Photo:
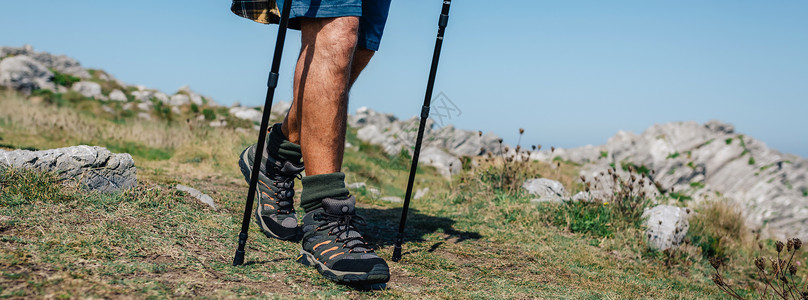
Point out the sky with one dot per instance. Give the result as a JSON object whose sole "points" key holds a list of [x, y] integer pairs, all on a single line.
{"points": [[570, 73]]}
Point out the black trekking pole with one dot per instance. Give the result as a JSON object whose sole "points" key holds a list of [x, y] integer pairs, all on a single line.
{"points": [[262, 133], [442, 22]]}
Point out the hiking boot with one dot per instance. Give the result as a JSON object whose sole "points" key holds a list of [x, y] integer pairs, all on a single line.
{"points": [[275, 214], [332, 244]]}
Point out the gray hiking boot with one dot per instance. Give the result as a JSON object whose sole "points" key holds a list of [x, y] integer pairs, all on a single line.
{"points": [[332, 244], [275, 214]]}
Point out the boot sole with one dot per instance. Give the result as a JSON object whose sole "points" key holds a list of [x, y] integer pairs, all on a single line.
{"points": [[246, 170], [376, 276]]}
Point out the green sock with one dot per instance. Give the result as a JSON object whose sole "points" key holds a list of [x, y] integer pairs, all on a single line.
{"points": [[317, 187], [280, 148]]}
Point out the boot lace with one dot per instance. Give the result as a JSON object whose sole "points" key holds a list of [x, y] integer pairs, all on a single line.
{"points": [[345, 225]]}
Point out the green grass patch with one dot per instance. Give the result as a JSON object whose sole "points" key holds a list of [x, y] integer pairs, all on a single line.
{"points": [[140, 151]]}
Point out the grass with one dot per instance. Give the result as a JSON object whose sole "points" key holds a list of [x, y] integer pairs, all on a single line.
{"points": [[473, 236]]}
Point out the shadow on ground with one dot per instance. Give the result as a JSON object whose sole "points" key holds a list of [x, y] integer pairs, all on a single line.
{"points": [[382, 226]]}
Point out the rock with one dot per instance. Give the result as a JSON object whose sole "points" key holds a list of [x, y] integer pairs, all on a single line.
{"points": [[281, 108], [420, 193], [179, 99], [374, 192], [700, 160], [145, 106], [446, 164], [95, 167], [88, 89], [246, 113], [117, 95], [356, 185], [128, 106], [391, 199], [218, 123], [196, 98], [144, 115], [144, 96], [666, 226], [546, 189], [60, 63], [108, 109], [204, 198], [25, 74], [162, 97]]}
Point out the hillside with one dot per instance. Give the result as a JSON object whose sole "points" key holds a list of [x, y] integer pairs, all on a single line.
{"points": [[474, 231]]}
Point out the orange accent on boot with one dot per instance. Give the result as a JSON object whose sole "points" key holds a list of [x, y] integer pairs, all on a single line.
{"points": [[328, 250], [269, 205], [332, 256], [320, 244]]}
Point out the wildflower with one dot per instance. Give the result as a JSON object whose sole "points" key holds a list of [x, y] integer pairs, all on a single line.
{"points": [[789, 245], [779, 245], [479, 133], [792, 270], [605, 203], [534, 147], [500, 141], [521, 130], [552, 149], [797, 244], [715, 262], [760, 263]]}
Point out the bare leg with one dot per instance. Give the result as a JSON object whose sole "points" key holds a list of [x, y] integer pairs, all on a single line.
{"points": [[318, 114], [291, 124]]}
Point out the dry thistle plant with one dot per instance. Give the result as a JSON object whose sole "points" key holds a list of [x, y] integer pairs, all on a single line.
{"points": [[778, 275], [625, 194]]}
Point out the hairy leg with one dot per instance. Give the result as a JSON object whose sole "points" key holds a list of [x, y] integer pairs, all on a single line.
{"points": [[291, 124], [318, 114]]}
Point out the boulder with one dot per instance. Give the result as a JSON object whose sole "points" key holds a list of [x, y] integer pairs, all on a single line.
{"points": [[420, 193], [179, 99], [246, 113], [25, 74], [117, 95], [702, 160], [60, 63], [96, 168], [547, 190], [446, 164], [88, 89], [143, 95], [666, 226], [204, 198]]}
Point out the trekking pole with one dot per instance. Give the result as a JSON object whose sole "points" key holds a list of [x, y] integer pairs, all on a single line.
{"points": [[442, 22], [272, 83]]}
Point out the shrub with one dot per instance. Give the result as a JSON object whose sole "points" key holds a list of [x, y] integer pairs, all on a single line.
{"points": [[64, 79], [209, 114]]}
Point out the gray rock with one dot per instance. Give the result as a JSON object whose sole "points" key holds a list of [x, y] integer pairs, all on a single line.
{"points": [[60, 63], [702, 159], [144, 96], [162, 97], [374, 192], [204, 198], [179, 99], [546, 189], [356, 185], [446, 164], [88, 89], [666, 226], [393, 199], [25, 74], [117, 95], [95, 167], [145, 106], [246, 113], [420, 193], [144, 115]]}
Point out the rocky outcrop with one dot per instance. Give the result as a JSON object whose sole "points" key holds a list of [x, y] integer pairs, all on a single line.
{"points": [[25, 74], [547, 190], [60, 63], [95, 167], [666, 226], [699, 161], [117, 95], [88, 89], [204, 198]]}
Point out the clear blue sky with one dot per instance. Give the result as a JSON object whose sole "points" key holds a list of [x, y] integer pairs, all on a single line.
{"points": [[570, 72]]}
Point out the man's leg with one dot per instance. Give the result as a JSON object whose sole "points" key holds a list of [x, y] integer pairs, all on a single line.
{"points": [[291, 124]]}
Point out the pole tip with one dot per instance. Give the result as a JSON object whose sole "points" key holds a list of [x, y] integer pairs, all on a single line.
{"points": [[239, 259], [397, 253]]}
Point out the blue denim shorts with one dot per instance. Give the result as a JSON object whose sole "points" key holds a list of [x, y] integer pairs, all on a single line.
{"points": [[372, 15]]}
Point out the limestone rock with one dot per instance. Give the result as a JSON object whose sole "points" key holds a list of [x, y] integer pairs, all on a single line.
{"points": [[179, 99], [95, 167], [666, 226], [393, 199], [700, 160], [446, 164], [204, 198], [88, 89], [547, 190], [420, 193], [117, 95], [246, 113], [25, 74]]}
